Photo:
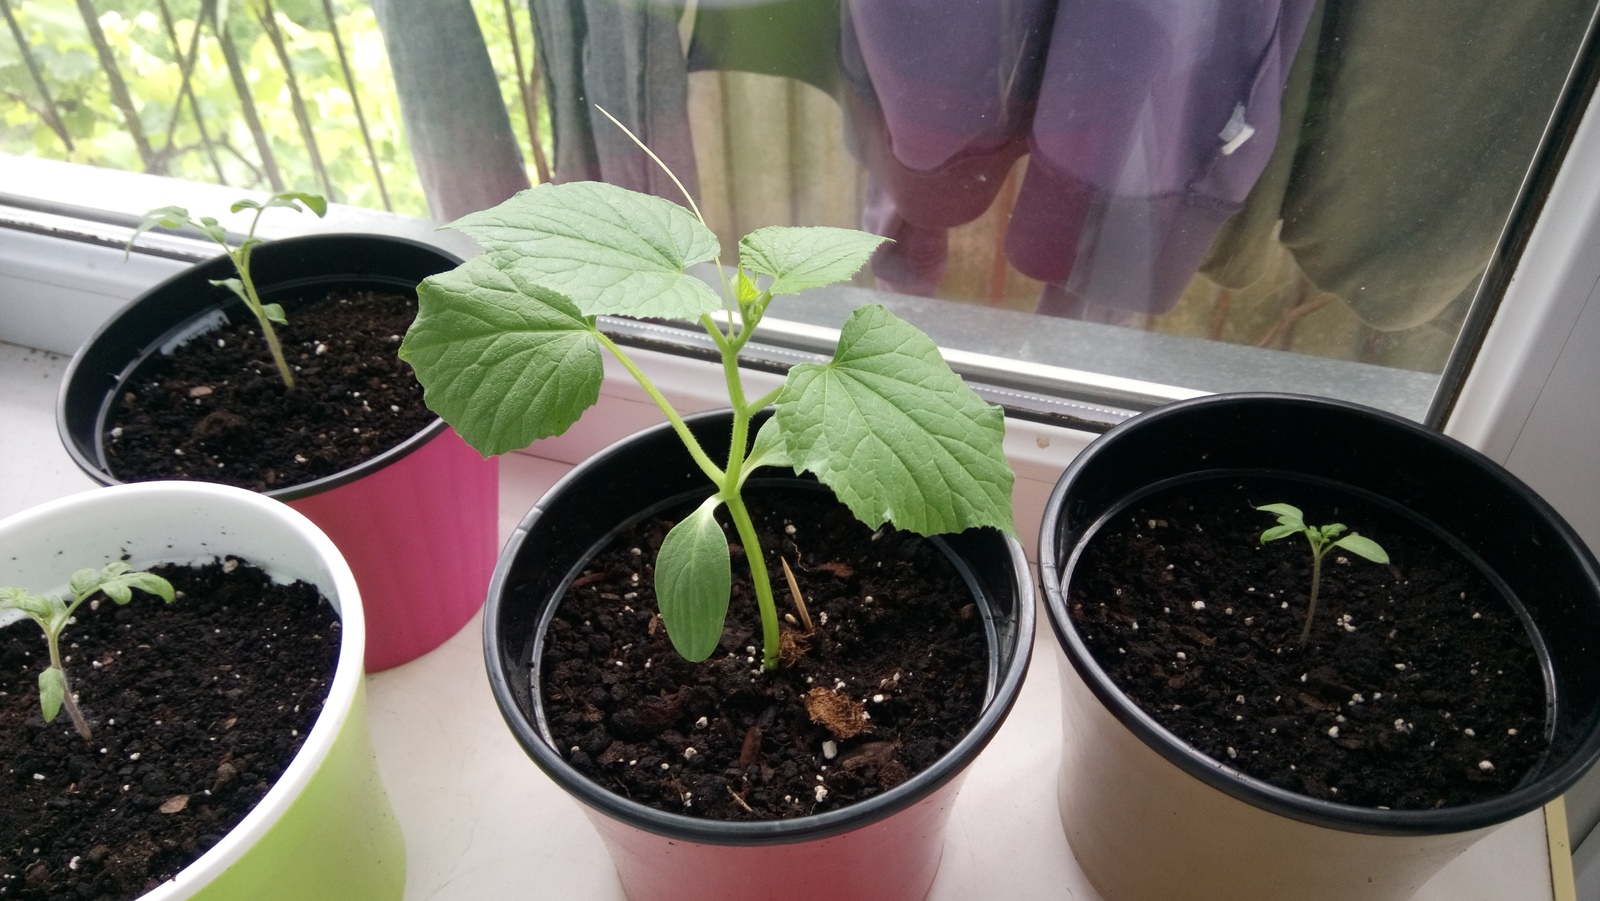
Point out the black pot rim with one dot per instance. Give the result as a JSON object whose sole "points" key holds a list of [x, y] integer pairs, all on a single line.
{"points": [[719, 832], [94, 470], [1332, 815]]}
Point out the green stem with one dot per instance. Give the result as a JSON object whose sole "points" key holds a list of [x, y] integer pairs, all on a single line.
{"points": [[267, 331], [758, 576], [678, 425], [751, 317], [765, 400], [737, 448], [1316, 583], [241, 263], [76, 715], [739, 442], [730, 374], [723, 342]]}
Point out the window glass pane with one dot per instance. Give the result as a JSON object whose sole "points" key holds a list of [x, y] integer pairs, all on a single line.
{"points": [[1171, 191]]}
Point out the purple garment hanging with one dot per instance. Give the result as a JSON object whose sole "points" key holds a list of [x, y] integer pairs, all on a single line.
{"points": [[939, 98], [1148, 122]]}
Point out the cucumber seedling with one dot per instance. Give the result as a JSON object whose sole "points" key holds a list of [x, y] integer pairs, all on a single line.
{"points": [[53, 615], [508, 348]]}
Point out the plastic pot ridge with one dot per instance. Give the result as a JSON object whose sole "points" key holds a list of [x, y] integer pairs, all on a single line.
{"points": [[1148, 816], [886, 848], [417, 523]]}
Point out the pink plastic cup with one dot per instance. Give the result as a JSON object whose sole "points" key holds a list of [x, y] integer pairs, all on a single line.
{"points": [[418, 524], [418, 527]]}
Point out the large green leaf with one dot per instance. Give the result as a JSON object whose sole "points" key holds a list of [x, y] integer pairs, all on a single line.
{"points": [[607, 249], [769, 449], [504, 361], [693, 581], [895, 433], [800, 258]]}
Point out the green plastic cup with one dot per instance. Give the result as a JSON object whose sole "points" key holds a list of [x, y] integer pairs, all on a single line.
{"points": [[326, 829]]}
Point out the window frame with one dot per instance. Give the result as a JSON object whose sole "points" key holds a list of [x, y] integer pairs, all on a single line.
{"points": [[63, 226]]}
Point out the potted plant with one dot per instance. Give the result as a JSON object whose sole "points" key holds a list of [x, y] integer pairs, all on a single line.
{"points": [[407, 502], [508, 350], [1161, 797], [324, 829]]}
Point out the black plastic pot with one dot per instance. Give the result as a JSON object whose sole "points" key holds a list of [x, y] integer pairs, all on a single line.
{"points": [[423, 513], [292, 272], [1204, 830], [885, 848]]}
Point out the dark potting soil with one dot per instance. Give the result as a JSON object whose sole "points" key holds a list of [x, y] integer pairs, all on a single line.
{"points": [[215, 409], [1419, 688], [196, 706], [897, 664]]}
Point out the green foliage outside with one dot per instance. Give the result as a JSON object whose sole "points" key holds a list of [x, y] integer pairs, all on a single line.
{"points": [[136, 34]]}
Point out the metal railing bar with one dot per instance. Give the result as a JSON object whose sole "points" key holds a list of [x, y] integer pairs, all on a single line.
{"points": [[49, 113], [530, 106], [355, 101], [268, 17], [241, 87], [186, 63], [119, 88]]}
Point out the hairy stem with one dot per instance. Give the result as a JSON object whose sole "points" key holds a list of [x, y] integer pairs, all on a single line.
{"points": [[718, 337], [738, 443], [678, 425], [758, 577], [728, 480], [765, 400]]}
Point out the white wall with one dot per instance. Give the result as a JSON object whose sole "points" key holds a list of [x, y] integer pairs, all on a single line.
{"points": [[1532, 400]]}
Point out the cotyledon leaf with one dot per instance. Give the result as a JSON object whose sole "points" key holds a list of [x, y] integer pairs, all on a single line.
{"points": [[609, 250], [895, 433], [694, 577], [503, 360], [52, 692]]}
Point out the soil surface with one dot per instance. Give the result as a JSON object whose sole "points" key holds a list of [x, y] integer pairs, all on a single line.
{"points": [[897, 666], [196, 706], [215, 410], [1419, 689]]}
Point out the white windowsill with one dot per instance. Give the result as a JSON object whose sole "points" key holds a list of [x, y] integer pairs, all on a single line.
{"points": [[54, 291], [483, 823]]}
